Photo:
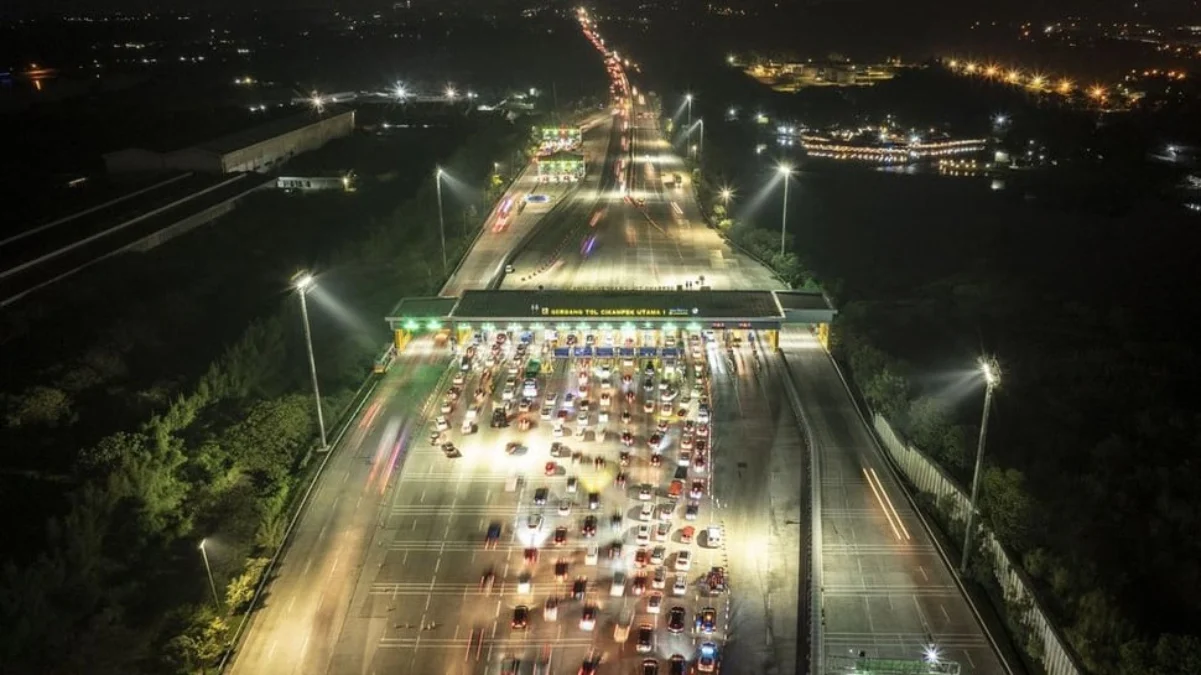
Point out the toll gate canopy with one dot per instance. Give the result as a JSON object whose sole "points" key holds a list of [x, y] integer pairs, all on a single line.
{"points": [[564, 309]]}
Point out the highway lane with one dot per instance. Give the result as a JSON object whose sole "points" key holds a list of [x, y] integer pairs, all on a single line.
{"points": [[759, 466], [886, 591], [296, 627], [618, 244]]}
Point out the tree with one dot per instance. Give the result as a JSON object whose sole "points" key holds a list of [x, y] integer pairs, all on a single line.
{"points": [[39, 406], [1006, 505], [887, 392]]}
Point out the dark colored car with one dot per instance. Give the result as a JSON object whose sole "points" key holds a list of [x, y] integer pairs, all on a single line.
{"points": [[560, 536], [706, 620], [678, 665], [590, 526], [675, 620], [493, 535], [521, 617], [579, 588], [650, 667]]}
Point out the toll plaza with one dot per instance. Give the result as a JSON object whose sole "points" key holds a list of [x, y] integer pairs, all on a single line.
{"points": [[612, 323]]}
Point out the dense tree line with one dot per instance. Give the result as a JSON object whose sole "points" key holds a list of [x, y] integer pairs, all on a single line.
{"points": [[117, 584]]}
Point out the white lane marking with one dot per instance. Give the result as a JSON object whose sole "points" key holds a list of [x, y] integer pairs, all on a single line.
{"points": [[271, 651], [307, 565], [333, 567], [423, 491], [923, 571], [293, 602]]}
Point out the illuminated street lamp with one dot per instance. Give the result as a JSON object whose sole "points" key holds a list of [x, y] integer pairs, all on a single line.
{"points": [[303, 283], [932, 655], [441, 223], [450, 93], [992, 378], [688, 98], [701, 150], [401, 92], [784, 170], [726, 193], [212, 584]]}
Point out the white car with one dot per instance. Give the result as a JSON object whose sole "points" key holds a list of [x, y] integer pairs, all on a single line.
{"points": [[702, 415], [645, 492], [683, 561], [447, 407], [680, 586], [644, 534], [591, 555], [602, 417], [551, 398], [558, 432], [523, 583], [534, 522], [605, 400], [564, 507], [647, 511], [442, 424], [550, 611], [572, 482], [508, 393], [547, 412], [659, 580], [618, 588]]}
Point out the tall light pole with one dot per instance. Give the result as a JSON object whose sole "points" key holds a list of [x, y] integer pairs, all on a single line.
{"points": [[992, 377], [212, 584], [784, 170], [701, 148], [688, 98], [441, 222], [303, 284]]}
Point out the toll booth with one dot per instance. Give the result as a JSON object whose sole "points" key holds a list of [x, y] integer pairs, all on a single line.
{"points": [[561, 167], [614, 323]]}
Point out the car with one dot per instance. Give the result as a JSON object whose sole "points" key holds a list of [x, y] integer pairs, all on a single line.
{"points": [[487, 580], [683, 561], [644, 534], [648, 407], [627, 439], [589, 528], [656, 460], [658, 555], [706, 662], [588, 618], [569, 401], [678, 665], [508, 394], [646, 638], [524, 405], [702, 414], [659, 578], [493, 535], [686, 441], [706, 620], [580, 433], [512, 448], [675, 619], [552, 468], [442, 424], [579, 588], [622, 479], [583, 401], [654, 603], [561, 570], [625, 417], [615, 549], [713, 536], [448, 407], [550, 609], [591, 555], [666, 512], [521, 617], [666, 409], [560, 536], [617, 587], [499, 419], [699, 463], [588, 667], [534, 522], [661, 531], [639, 585], [450, 450], [630, 396], [655, 442], [572, 482], [697, 490], [546, 413], [648, 510], [690, 511], [645, 492], [615, 521], [650, 667], [679, 586], [593, 501], [530, 556], [602, 417], [621, 632], [564, 507], [559, 450], [550, 399], [663, 427], [582, 419], [624, 458], [641, 557]]}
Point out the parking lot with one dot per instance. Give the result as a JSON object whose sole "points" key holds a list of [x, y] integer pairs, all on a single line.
{"points": [[559, 516]]}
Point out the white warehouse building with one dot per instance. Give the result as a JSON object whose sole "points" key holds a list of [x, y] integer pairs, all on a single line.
{"points": [[258, 149]]}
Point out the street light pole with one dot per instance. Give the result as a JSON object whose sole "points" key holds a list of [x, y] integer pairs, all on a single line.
{"points": [[303, 284], [992, 377], [209, 570], [441, 222], [786, 171], [688, 98]]}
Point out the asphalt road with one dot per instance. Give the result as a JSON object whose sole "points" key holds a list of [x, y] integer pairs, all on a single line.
{"points": [[297, 627], [885, 591], [608, 242]]}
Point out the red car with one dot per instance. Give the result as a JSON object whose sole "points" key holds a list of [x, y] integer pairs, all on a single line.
{"points": [[552, 468]]}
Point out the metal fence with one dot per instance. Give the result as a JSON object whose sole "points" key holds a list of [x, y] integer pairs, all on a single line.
{"points": [[1043, 641]]}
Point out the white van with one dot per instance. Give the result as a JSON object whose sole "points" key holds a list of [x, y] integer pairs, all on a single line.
{"points": [[713, 536]]}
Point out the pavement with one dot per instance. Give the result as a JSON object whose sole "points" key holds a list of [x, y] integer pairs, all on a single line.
{"points": [[885, 591]]}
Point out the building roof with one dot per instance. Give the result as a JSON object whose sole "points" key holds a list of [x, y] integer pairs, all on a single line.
{"points": [[423, 308], [618, 304], [265, 132]]}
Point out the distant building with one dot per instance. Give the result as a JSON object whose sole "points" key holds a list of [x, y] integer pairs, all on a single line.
{"points": [[790, 77], [258, 149]]}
